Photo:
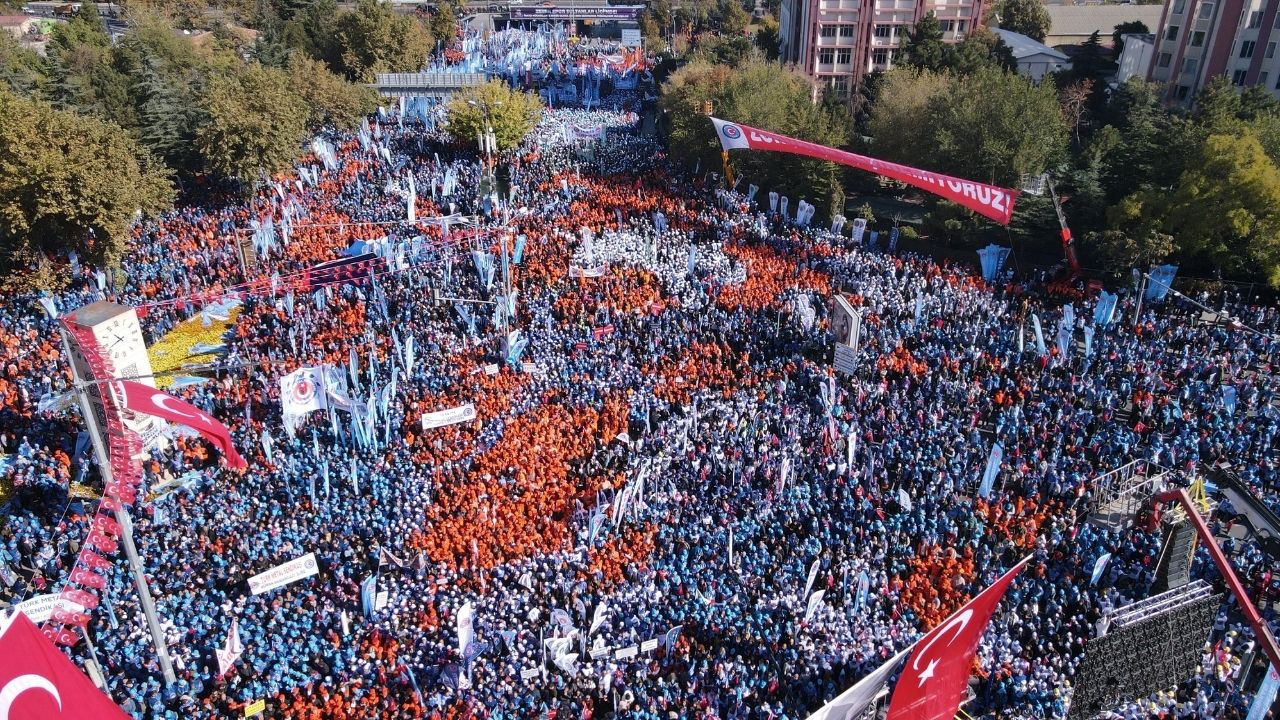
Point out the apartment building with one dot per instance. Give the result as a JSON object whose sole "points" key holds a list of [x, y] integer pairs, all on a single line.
{"points": [[839, 41], [1199, 39]]}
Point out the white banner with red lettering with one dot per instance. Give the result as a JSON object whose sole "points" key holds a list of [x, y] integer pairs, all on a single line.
{"points": [[989, 200]]}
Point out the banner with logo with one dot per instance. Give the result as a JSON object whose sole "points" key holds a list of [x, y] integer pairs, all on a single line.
{"points": [[589, 272], [283, 574], [988, 200], [452, 416]]}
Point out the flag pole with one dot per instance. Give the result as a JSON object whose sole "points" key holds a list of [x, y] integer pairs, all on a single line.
{"points": [[122, 515]]}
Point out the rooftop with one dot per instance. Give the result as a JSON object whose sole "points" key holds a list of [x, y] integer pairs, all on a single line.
{"points": [[1024, 47], [1083, 20]]}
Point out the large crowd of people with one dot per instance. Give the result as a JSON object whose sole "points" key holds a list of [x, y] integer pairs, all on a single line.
{"points": [[667, 466]]}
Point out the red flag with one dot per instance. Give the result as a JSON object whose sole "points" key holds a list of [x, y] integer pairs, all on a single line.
{"points": [[933, 682], [38, 682], [144, 399]]}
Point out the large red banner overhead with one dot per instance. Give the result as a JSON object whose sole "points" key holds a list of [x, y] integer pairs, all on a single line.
{"points": [[989, 200]]}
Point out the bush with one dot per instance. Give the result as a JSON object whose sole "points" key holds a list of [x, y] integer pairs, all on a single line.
{"points": [[907, 232]]}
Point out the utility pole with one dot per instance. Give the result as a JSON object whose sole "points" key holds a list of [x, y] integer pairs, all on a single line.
{"points": [[83, 390]]}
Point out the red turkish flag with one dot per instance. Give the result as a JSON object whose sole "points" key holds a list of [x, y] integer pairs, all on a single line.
{"points": [[933, 681], [38, 682], [145, 399]]}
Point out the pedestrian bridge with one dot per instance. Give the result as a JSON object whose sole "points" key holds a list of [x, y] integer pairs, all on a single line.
{"points": [[439, 85]]}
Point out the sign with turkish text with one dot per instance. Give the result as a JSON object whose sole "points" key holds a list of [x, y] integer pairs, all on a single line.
{"points": [[283, 574]]}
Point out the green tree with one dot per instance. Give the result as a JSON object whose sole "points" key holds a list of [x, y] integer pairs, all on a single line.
{"points": [[993, 126], [372, 39], [256, 124], [1226, 207], [1132, 27], [923, 47], [511, 113], [330, 100], [1119, 250], [1027, 17], [80, 67], [21, 70], [1153, 142], [443, 24], [902, 101], [768, 38], [732, 18], [766, 96], [69, 182]]}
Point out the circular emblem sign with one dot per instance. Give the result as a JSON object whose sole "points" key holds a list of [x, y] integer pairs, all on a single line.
{"points": [[733, 132]]}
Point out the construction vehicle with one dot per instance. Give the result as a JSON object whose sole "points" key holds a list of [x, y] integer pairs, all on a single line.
{"points": [[1064, 282]]}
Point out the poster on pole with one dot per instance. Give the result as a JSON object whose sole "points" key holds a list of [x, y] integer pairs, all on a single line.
{"points": [[283, 574]]}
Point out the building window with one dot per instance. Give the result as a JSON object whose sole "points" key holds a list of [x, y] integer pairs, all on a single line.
{"points": [[960, 25], [1197, 38], [828, 31], [1189, 66], [1206, 11], [947, 25], [844, 57], [846, 31], [880, 57], [966, 11], [1271, 50], [825, 56], [1262, 79], [1163, 61], [884, 31], [1237, 78], [1255, 19], [840, 85], [1172, 33], [1179, 6], [1246, 48], [1183, 90]]}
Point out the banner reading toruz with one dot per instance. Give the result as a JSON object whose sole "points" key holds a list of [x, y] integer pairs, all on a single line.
{"points": [[989, 200]]}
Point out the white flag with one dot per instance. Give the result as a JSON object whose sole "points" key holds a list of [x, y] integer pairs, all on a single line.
{"points": [[466, 616], [302, 391], [904, 500], [231, 651]]}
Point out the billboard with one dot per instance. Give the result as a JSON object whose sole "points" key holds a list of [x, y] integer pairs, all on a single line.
{"points": [[604, 12]]}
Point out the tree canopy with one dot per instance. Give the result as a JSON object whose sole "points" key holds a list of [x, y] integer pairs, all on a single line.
{"points": [[70, 182], [511, 113], [1026, 17], [255, 124], [992, 125], [766, 96]]}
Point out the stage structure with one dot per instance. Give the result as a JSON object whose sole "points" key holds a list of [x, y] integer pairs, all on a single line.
{"points": [[1149, 646]]}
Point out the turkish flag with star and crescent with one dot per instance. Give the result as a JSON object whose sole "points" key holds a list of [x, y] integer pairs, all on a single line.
{"points": [[141, 398], [38, 682], [933, 681]]}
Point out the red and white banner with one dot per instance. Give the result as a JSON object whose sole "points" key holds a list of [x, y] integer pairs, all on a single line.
{"points": [[144, 399], [232, 651], [989, 200], [38, 682], [933, 682]]}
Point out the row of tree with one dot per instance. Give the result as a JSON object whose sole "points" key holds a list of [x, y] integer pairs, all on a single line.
{"points": [[146, 111]]}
